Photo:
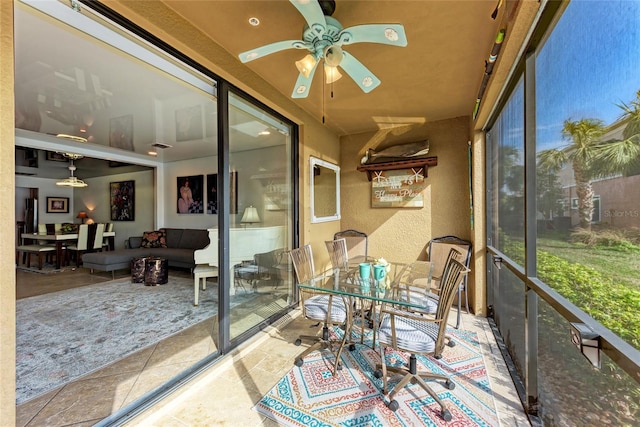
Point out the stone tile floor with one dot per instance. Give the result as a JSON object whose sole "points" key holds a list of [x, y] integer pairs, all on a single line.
{"points": [[226, 393]]}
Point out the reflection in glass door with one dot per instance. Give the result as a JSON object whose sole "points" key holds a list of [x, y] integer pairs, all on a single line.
{"points": [[260, 159]]}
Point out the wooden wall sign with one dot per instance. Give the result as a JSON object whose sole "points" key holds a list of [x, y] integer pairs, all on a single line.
{"points": [[397, 188]]}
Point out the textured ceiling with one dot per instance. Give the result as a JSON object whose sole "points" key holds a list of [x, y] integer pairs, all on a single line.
{"points": [[437, 76]]}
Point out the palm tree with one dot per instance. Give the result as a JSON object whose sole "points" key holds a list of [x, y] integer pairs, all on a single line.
{"points": [[581, 152], [623, 156], [591, 158], [631, 111]]}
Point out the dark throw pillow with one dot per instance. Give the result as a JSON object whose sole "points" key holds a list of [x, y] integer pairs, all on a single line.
{"points": [[154, 239]]}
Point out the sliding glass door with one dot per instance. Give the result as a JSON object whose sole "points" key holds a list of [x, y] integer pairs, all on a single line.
{"points": [[260, 223], [126, 111]]}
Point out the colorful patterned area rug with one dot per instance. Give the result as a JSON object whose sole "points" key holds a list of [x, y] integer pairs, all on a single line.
{"points": [[311, 396]]}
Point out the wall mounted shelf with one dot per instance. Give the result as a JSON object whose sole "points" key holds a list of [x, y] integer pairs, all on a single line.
{"points": [[399, 164]]}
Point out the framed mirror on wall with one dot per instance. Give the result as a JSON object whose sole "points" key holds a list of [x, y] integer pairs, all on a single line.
{"points": [[325, 190]]}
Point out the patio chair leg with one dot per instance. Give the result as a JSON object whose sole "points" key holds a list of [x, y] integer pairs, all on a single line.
{"points": [[459, 308]]}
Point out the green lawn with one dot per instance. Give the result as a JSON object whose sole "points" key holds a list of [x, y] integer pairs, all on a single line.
{"points": [[602, 281], [623, 267]]}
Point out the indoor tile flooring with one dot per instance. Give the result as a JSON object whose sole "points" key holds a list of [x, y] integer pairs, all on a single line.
{"points": [[222, 395]]}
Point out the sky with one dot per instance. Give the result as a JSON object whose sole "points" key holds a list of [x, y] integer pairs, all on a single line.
{"points": [[590, 63]]}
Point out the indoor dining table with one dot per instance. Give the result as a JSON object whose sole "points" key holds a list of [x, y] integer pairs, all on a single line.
{"points": [[60, 238], [353, 288]]}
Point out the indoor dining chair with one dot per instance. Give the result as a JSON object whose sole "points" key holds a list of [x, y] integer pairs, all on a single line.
{"points": [[108, 227], [98, 239], [317, 306], [81, 245], [402, 331], [47, 229]]}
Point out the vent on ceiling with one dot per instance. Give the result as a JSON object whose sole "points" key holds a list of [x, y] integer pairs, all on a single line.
{"points": [[161, 145]]}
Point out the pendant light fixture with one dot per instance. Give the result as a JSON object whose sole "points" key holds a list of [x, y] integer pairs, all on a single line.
{"points": [[72, 181]]}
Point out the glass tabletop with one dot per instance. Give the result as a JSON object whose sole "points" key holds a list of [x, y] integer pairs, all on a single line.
{"points": [[401, 278]]}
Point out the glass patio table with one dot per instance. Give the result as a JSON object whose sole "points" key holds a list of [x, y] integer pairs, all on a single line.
{"points": [[349, 285]]}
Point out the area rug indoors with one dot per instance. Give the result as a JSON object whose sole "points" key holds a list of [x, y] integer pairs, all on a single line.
{"points": [[311, 396], [64, 335], [47, 268]]}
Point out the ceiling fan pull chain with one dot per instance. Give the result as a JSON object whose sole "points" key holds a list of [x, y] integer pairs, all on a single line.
{"points": [[323, 96]]}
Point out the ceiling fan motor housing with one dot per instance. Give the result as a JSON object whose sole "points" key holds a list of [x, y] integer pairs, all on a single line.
{"points": [[320, 44]]}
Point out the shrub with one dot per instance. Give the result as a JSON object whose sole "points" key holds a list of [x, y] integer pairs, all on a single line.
{"points": [[610, 238], [611, 303]]}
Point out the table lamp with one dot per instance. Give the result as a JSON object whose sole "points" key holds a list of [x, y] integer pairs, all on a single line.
{"points": [[250, 216], [83, 216]]}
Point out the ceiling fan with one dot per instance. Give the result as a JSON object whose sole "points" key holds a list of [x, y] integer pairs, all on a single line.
{"points": [[323, 36]]}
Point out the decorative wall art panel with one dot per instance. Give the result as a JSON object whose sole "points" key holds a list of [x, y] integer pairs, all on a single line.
{"points": [[190, 194], [122, 200], [398, 188]]}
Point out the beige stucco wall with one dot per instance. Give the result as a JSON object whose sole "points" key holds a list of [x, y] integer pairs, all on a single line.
{"points": [[7, 216], [402, 234]]}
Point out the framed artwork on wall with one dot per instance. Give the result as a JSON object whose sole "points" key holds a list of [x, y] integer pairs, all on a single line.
{"points": [[122, 200], [190, 194], [121, 132], [57, 205], [212, 193]]}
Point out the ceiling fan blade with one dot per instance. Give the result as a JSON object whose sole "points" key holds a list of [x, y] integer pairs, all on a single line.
{"points": [[265, 50], [312, 13], [359, 73], [392, 34], [301, 89]]}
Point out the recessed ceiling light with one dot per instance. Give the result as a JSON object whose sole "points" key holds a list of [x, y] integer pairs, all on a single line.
{"points": [[254, 21], [264, 132]]}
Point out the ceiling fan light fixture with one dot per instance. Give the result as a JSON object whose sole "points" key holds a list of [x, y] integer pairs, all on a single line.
{"points": [[72, 181], [323, 36], [331, 74], [306, 64], [333, 55]]}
